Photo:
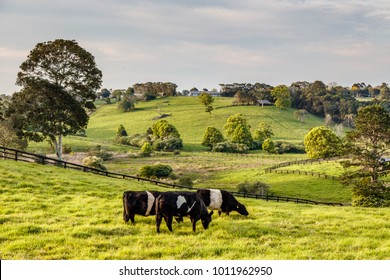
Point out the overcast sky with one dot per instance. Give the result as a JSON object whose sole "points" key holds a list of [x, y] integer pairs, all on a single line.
{"points": [[207, 42]]}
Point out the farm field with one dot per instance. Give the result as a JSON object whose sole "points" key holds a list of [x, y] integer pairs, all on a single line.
{"points": [[206, 169], [52, 213], [189, 117]]}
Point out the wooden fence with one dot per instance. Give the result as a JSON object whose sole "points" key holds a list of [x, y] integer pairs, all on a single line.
{"points": [[17, 155], [299, 172]]}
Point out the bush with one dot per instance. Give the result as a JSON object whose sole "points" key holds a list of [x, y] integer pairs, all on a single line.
{"points": [[268, 145], [155, 171], [66, 149], [186, 181], [229, 147], [211, 136], [282, 147], [146, 149], [97, 151], [257, 187], [121, 131], [168, 144], [94, 162], [368, 194]]}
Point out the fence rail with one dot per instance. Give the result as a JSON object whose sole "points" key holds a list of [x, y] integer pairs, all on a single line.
{"points": [[299, 172], [17, 155]]}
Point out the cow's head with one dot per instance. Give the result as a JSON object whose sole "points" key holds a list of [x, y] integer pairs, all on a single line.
{"points": [[242, 209], [206, 219]]}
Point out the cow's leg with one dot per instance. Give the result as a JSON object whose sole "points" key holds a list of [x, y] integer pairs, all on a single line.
{"points": [[219, 212], [158, 221], [169, 222], [131, 216], [193, 224]]}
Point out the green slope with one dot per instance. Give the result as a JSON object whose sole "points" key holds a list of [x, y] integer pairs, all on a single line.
{"points": [[191, 120], [52, 213]]}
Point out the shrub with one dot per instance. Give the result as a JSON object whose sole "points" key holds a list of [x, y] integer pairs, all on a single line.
{"points": [[66, 149], [168, 144], [186, 181], [282, 147], [94, 162], [97, 151], [155, 171], [268, 145], [211, 136], [146, 149], [229, 147], [254, 188], [121, 131], [163, 129]]}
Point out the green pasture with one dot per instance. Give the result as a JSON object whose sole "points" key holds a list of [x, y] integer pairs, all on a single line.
{"points": [[52, 213], [189, 117]]}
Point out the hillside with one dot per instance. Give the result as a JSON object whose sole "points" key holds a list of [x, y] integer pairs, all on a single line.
{"points": [[207, 170], [52, 213], [189, 117]]}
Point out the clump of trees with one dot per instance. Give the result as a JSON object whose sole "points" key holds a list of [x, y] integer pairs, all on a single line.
{"points": [[155, 88], [162, 136], [259, 188], [155, 171]]}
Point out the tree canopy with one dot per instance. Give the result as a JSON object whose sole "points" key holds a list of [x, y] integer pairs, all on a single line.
{"points": [[59, 80], [63, 63], [322, 142]]}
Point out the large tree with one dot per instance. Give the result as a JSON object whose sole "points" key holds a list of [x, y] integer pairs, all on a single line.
{"points": [[43, 110], [211, 137], [59, 80], [321, 142], [66, 64], [368, 145], [206, 99], [282, 96]]}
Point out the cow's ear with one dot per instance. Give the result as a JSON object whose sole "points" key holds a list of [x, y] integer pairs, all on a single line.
{"points": [[211, 213]]}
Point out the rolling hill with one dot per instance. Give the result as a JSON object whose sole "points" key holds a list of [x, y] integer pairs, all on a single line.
{"points": [[52, 213], [189, 117]]}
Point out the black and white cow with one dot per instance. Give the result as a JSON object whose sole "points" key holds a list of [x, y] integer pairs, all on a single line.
{"points": [[140, 203], [222, 200], [180, 204]]}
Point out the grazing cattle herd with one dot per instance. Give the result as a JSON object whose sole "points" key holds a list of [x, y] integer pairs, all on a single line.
{"points": [[169, 205]]}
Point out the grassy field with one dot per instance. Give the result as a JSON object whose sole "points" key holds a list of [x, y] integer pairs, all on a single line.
{"points": [[51, 213], [204, 168], [189, 117]]}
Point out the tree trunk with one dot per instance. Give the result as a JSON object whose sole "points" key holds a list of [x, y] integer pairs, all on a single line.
{"points": [[59, 150], [57, 145]]}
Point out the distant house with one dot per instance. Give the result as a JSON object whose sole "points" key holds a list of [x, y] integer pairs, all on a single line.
{"points": [[197, 93], [265, 102]]}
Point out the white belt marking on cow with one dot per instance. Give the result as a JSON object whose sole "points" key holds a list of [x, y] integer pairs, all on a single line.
{"points": [[215, 199], [180, 200], [150, 203]]}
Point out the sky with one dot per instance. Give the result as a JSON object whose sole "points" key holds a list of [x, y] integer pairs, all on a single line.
{"points": [[207, 42]]}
